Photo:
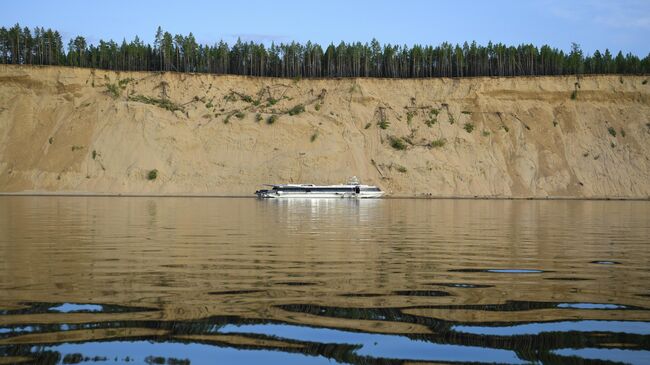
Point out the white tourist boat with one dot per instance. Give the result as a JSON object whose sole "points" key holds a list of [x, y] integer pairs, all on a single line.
{"points": [[351, 189]]}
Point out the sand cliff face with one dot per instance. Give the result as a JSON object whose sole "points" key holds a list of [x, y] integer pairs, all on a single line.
{"points": [[82, 130]]}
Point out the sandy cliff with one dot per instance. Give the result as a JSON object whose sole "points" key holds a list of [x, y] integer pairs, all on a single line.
{"points": [[82, 130]]}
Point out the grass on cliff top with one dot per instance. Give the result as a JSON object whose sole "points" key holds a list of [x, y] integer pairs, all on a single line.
{"points": [[113, 90], [162, 103]]}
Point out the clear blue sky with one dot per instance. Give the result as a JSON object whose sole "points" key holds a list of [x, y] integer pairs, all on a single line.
{"points": [[617, 25]]}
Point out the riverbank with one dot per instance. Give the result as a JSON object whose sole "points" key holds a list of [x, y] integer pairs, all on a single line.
{"points": [[209, 196], [68, 130]]}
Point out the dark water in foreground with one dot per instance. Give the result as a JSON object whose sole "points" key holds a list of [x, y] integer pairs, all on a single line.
{"points": [[207, 281]]}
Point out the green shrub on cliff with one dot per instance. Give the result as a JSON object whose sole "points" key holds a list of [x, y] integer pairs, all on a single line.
{"points": [[296, 109], [152, 175], [612, 131], [433, 117], [162, 103], [113, 90], [122, 83], [383, 122], [397, 143], [409, 117], [437, 143]]}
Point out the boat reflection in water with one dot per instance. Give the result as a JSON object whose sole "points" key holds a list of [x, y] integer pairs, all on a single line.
{"points": [[323, 281]]}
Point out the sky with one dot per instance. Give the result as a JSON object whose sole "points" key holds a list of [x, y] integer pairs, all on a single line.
{"points": [[617, 25]]}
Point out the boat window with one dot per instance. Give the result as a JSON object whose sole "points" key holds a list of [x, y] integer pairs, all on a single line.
{"points": [[292, 189], [370, 189], [330, 190]]}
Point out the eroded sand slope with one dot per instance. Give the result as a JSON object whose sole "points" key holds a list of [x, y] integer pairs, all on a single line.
{"points": [[63, 130]]}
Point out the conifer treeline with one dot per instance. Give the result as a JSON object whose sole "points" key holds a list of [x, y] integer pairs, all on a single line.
{"points": [[183, 54]]}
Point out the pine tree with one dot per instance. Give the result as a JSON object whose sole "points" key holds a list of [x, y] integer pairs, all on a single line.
{"points": [[184, 54]]}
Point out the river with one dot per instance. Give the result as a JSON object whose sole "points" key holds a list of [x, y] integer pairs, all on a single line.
{"points": [[106, 280]]}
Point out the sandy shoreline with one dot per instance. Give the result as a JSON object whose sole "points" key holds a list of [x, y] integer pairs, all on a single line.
{"points": [[137, 195]]}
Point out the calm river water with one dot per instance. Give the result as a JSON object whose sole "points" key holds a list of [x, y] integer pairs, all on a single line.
{"points": [[216, 281]]}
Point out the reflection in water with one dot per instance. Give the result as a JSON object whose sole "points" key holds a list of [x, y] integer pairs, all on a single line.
{"points": [[135, 352], [504, 271], [384, 346], [462, 285], [606, 262], [72, 307], [629, 327], [193, 281], [592, 306], [625, 356]]}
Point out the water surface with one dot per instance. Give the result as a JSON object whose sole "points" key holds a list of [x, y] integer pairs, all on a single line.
{"points": [[102, 280]]}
